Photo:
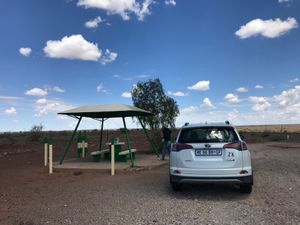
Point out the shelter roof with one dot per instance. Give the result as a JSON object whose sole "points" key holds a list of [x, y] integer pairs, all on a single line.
{"points": [[106, 111]]}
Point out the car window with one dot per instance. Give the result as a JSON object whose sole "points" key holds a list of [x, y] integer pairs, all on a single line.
{"points": [[208, 135]]}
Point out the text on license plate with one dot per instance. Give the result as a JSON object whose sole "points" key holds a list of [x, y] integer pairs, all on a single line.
{"points": [[208, 152]]}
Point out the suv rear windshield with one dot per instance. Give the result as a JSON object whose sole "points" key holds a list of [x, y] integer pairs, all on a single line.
{"points": [[208, 135]]}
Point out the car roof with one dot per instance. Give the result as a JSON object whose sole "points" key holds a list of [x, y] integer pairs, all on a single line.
{"points": [[217, 124]]}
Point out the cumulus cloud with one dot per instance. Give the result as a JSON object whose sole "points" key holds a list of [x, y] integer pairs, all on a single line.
{"points": [[177, 94], [36, 92], [267, 28], [25, 51], [92, 24], [126, 94], [207, 104], [232, 98], [170, 2], [288, 98], [242, 90], [72, 47], [259, 86], [108, 57], [41, 101], [120, 7], [44, 107], [11, 111], [260, 103], [200, 86]]}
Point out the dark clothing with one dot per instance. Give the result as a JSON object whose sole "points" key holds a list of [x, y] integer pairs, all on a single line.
{"points": [[166, 134], [167, 141]]}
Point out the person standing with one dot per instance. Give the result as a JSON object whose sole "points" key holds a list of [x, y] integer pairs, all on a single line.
{"points": [[166, 133]]}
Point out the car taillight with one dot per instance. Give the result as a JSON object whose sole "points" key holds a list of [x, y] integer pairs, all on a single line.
{"points": [[178, 147], [240, 145]]}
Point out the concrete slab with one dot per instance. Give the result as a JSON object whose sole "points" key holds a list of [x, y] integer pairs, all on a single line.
{"points": [[142, 161]]}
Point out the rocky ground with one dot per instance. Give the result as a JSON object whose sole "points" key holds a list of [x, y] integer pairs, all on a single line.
{"points": [[29, 196]]}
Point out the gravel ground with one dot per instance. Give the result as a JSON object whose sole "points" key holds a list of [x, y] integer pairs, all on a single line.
{"points": [[29, 196]]}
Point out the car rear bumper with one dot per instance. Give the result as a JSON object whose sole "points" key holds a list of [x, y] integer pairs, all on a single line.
{"points": [[232, 180]]}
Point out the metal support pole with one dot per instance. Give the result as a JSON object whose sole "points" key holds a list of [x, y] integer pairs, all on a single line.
{"points": [[128, 143], [149, 139], [101, 134], [70, 142]]}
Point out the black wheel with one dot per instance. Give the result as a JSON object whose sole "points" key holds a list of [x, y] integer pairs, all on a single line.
{"points": [[246, 188], [176, 186]]}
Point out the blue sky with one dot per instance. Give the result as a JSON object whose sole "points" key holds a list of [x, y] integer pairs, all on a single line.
{"points": [[220, 60]]}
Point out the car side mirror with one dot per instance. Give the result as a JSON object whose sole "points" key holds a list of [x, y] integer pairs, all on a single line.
{"points": [[242, 137]]}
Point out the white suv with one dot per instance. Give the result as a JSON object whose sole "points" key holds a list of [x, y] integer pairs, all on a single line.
{"points": [[210, 153]]}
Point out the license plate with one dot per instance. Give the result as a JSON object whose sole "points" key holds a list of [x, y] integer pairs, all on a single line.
{"points": [[208, 152]]}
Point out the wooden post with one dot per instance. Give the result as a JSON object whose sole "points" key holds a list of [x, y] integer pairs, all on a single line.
{"points": [[45, 154], [112, 159], [50, 159]]}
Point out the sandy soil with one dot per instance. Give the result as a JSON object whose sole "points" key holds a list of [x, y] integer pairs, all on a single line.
{"points": [[29, 196]]}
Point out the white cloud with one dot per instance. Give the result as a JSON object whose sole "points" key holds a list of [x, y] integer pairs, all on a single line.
{"points": [[91, 24], [41, 101], [242, 90], [44, 107], [190, 109], [207, 104], [72, 47], [177, 94], [58, 89], [126, 95], [120, 7], [267, 28], [36, 92], [284, 1], [259, 86], [288, 98], [137, 77], [200, 86], [10, 100], [25, 51], [144, 10], [294, 80], [170, 2], [232, 98], [260, 103], [11, 111], [100, 88], [108, 57]]}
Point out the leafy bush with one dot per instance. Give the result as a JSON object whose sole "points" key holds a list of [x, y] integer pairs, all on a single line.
{"points": [[36, 132]]}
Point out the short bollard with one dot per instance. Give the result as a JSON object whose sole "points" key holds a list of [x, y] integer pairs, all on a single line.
{"points": [[48, 154], [50, 159], [45, 151], [112, 150]]}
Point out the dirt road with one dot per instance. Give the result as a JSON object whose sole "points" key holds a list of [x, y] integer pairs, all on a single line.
{"points": [[28, 195]]}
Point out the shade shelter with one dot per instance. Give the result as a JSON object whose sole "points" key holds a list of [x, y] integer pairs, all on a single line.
{"points": [[102, 113]]}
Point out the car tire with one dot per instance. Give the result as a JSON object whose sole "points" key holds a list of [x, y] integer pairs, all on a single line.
{"points": [[176, 186], [246, 188]]}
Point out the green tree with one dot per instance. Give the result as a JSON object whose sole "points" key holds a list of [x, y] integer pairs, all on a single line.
{"points": [[150, 96]]}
